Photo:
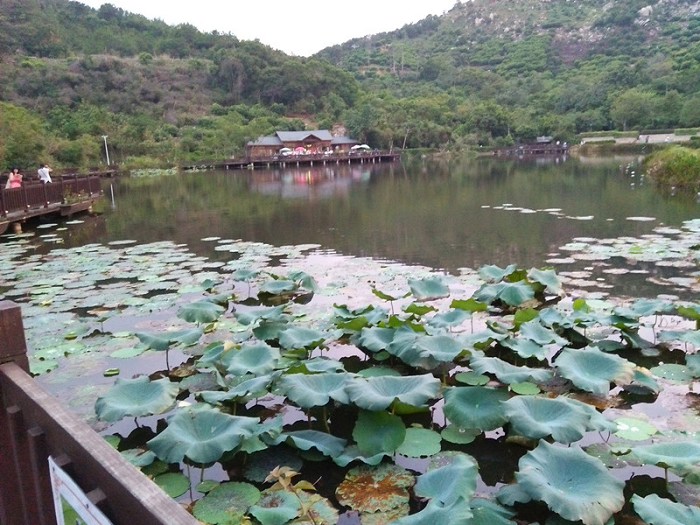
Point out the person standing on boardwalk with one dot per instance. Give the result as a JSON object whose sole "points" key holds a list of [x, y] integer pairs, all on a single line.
{"points": [[44, 173], [14, 180]]}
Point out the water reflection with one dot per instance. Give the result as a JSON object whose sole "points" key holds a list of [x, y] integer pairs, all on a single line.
{"points": [[446, 215]]}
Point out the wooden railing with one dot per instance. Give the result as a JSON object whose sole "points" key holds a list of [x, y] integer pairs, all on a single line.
{"points": [[37, 195], [35, 426]]}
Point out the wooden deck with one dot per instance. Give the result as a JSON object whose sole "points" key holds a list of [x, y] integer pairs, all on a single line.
{"points": [[63, 197], [527, 150], [284, 161]]}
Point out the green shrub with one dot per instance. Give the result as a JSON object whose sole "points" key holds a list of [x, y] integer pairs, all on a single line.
{"points": [[676, 166]]}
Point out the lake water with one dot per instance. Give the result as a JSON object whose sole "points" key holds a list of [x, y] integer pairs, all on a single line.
{"points": [[442, 215]]}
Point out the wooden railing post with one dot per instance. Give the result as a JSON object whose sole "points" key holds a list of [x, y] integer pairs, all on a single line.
{"points": [[13, 345]]}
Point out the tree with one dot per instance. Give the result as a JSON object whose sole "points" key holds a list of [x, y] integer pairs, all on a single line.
{"points": [[633, 108]]}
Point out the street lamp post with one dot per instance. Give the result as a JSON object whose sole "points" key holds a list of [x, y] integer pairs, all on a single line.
{"points": [[104, 137]]}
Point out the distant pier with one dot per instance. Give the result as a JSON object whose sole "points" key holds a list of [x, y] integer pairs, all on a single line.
{"points": [[293, 161]]}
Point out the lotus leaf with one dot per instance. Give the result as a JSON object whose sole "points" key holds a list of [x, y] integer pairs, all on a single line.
{"points": [[254, 316], [429, 289], [449, 483], [547, 278], [673, 372], [534, 331], [201, 312], [566, 420], [459, 436], [475, 407], [239, 388], [634, 429], [424, 351], [460, 513], [469, 305], [486, 512], [257, 359], [201, 434], [693, 362], [226, 504], [295, 337], [175, 484], [323, 364], [593, 370], [311, 390], [375, 489], [353, 453], [524, 389], [449, 319], [378, 432], [276, 507], [278, 286], [307, 439], [378, 393], [525, 348], [512, 294], [260, 464], [420, 442], [681, 454], [375, 339], [660, 511], [136, 397], [573, 484], [320, 511], [492, 273], [507, 373], [472, 378]]}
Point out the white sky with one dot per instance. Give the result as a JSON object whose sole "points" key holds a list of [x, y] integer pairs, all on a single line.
{"points": [[297, 28]]}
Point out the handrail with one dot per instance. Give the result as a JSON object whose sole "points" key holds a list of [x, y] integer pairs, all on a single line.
{"points": [[39, 195], [35, 426]]}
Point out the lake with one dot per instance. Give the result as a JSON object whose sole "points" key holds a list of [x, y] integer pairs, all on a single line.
{"points": [[444, 216]]}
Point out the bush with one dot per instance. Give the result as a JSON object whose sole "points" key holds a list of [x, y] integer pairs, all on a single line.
{"points": [[677, 166]]}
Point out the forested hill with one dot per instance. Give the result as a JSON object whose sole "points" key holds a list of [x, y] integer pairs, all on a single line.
{"points": [[486, 72]]}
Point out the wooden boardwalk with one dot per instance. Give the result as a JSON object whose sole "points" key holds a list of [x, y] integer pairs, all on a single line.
{"points": [[65, 196], [289, 161], [527, 150]]}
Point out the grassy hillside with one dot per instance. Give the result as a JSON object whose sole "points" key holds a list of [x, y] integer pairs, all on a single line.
{"points": [[488, 72]]}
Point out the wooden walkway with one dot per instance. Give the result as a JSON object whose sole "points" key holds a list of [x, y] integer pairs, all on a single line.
{"points": [[289, 161], [64, 197], [527, 150]]}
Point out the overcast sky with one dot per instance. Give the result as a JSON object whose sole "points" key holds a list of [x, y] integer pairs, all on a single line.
{"points": [[297, 28]]}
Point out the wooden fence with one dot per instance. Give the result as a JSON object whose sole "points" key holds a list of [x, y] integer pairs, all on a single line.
{"points": [[35, 426], [37, 195]]}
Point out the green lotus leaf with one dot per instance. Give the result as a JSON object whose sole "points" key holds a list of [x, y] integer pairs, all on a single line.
{"points": [[375, 339], [566, 420], [693, 363], [383, 295], [573, 484], [673, 372], [154, 341], [524, 389], [448, 483], [642, 383], [471, 378], [375, 489], [429, 289], [353, 453], [138, 457], [278, 286], [475, 407], [240, 387], [202, 434], [534, 331], [254, 316], [226, 504], [307, 439], [512, 294], [378, 432], [660, 511], [136, 397], [311, 390], [175, 484], [458, 435], [507, 373], [378, 371], [547, 278], [378, 393], [452, 318], [681, 454], [424, 351], [419, 310], [492, 273], [469, 305], [525, 348], [296, 337], [276, 507], [593, 370], [186, 337], [207, 486], [486, 512], [320, 510], [258, 359], [459, 513], [201, 312], [420, 442], [634, 429], [245, 274], [323, 364]]}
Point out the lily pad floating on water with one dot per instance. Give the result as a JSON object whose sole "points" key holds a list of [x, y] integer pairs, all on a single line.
{"points": [[375, 489], [593, 370], [573, 484], [420, 442], [682, 454], [378, 432], [634, 429], [226, 504], [378, 393], [476, 407]]}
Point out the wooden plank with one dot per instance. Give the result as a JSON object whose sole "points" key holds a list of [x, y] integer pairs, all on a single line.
{"points": [[13, 345], [133, 499]]}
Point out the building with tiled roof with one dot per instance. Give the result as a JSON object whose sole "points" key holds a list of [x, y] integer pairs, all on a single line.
{"points": [[304, 142]]}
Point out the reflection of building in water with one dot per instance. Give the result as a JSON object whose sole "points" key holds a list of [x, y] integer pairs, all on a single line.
{"points": [[309, 182]]}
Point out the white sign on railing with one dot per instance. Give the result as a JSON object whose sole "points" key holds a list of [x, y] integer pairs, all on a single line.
{"points": [[71, 504]]}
